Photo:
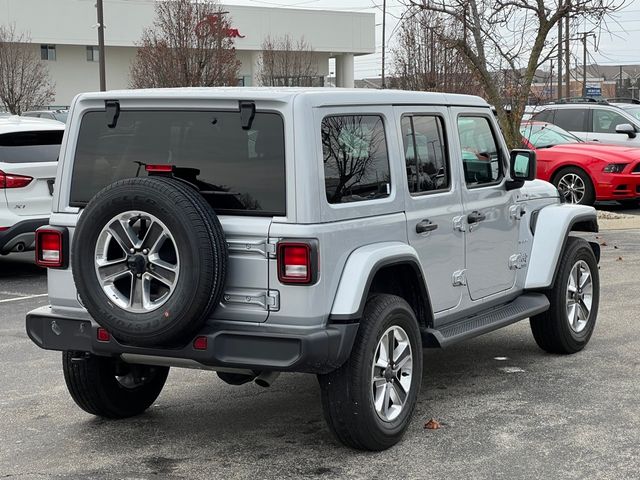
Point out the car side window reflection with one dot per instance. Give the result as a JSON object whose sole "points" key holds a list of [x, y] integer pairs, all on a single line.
{"points": [[425, 154]]}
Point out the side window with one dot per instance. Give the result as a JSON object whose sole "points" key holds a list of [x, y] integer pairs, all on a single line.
{"points": [[571, 119], [543, 116], [606, 121], [356, 164], [424, 153], [480, 154]]}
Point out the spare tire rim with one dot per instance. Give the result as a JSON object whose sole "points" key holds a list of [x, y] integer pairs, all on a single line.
{"points": [[137, 261], [579, 296], [391, 373]]}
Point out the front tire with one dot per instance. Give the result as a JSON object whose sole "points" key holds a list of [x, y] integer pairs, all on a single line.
{"points": [[568, 324], [110, 388], [575, 186], [368, 402]]}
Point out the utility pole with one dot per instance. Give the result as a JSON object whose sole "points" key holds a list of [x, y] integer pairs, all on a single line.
{"points": [[103, 80], [620, 83], [585, 36], [567, 59], [384, 45], [550, 96], [584, 63], [559, 60]]}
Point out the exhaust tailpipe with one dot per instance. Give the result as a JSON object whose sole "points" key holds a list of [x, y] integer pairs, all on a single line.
{"points": [[265, 379], [19, 247]]}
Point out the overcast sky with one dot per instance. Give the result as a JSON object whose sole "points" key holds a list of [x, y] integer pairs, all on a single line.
{"points": [[620, 47]]}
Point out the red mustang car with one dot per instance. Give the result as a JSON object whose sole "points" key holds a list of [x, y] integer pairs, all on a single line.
{"points": [[583, 172]]}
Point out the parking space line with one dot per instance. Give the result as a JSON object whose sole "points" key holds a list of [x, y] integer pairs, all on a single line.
{"points": [[27, 297]]}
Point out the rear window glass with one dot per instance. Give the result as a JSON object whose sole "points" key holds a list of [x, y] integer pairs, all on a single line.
{"points": [[236, 170], [30, 147]]}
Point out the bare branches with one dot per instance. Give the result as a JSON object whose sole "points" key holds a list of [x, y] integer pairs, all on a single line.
{"points": [[505, 41], [424, 57], [288, 63], [189, 45], [24, 79]]}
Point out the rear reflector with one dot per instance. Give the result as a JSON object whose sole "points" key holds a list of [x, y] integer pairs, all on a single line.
{"points": [[103, 335], [9, 180], [294, 263], [200, 343], [50, 242]]}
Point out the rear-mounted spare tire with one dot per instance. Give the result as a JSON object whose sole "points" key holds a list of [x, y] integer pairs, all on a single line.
{"points": [[149, 260]]}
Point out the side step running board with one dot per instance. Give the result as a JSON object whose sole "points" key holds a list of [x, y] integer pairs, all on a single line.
{"points": [[524, 306]]}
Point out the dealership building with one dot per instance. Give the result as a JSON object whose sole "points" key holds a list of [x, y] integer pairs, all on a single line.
{"points": [[64, 34]]}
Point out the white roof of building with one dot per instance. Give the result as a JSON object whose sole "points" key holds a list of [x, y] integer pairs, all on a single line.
{"points": [[16, 123], [73, 22], [317, 96]]}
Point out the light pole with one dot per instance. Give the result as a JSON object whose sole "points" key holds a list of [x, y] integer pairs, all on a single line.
{"points": [[384, 22], [103, 80]]}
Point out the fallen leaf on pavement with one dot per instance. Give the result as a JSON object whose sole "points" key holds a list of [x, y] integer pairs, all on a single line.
{"points": [[604, 244], [619, 259], [432, 424]]}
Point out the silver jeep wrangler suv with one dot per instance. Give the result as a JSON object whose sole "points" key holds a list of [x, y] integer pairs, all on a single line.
{"points": [[335, 232]]}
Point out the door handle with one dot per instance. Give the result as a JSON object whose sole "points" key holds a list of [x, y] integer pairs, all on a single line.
{"points": [[476, 216], [425, 226]]}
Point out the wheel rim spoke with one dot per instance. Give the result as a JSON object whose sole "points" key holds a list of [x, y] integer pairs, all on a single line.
{"points": [[111, 271], [154, 237]]}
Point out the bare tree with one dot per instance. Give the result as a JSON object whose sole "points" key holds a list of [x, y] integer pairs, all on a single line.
{"points": [[504, 42], [287, 63], [190, 44], [422, 61], [24, 79]]}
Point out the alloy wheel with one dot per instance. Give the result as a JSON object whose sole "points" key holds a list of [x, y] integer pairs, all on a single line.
{"points": [[579, 296], [137, 261], [391, 373]]}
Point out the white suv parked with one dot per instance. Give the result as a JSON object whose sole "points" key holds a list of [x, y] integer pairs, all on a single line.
{"points": [[29, 150], [594, 122]]}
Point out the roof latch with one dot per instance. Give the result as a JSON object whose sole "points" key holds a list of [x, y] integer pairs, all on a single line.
{"points": [[247, 114], [112, 108]]}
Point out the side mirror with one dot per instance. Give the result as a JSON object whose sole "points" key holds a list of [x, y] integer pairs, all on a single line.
{"points": [[522, 167], [626, 128]]}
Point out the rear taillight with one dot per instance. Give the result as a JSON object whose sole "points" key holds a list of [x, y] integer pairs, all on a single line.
{"points": [[50, 247], [296, 263], [10, 180]]}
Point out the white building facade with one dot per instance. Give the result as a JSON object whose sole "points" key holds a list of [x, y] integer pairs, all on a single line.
{"points": [[65, 36]]}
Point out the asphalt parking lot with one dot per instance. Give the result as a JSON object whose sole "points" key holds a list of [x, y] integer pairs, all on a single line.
{"points": [[528, 415]]}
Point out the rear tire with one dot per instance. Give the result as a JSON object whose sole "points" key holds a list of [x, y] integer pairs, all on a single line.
{"points": [[357, 407], [110, 388], [568, 324]]}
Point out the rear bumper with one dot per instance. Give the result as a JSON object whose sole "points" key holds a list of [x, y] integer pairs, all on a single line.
{"points": [[21, 236], [243, 347]]}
